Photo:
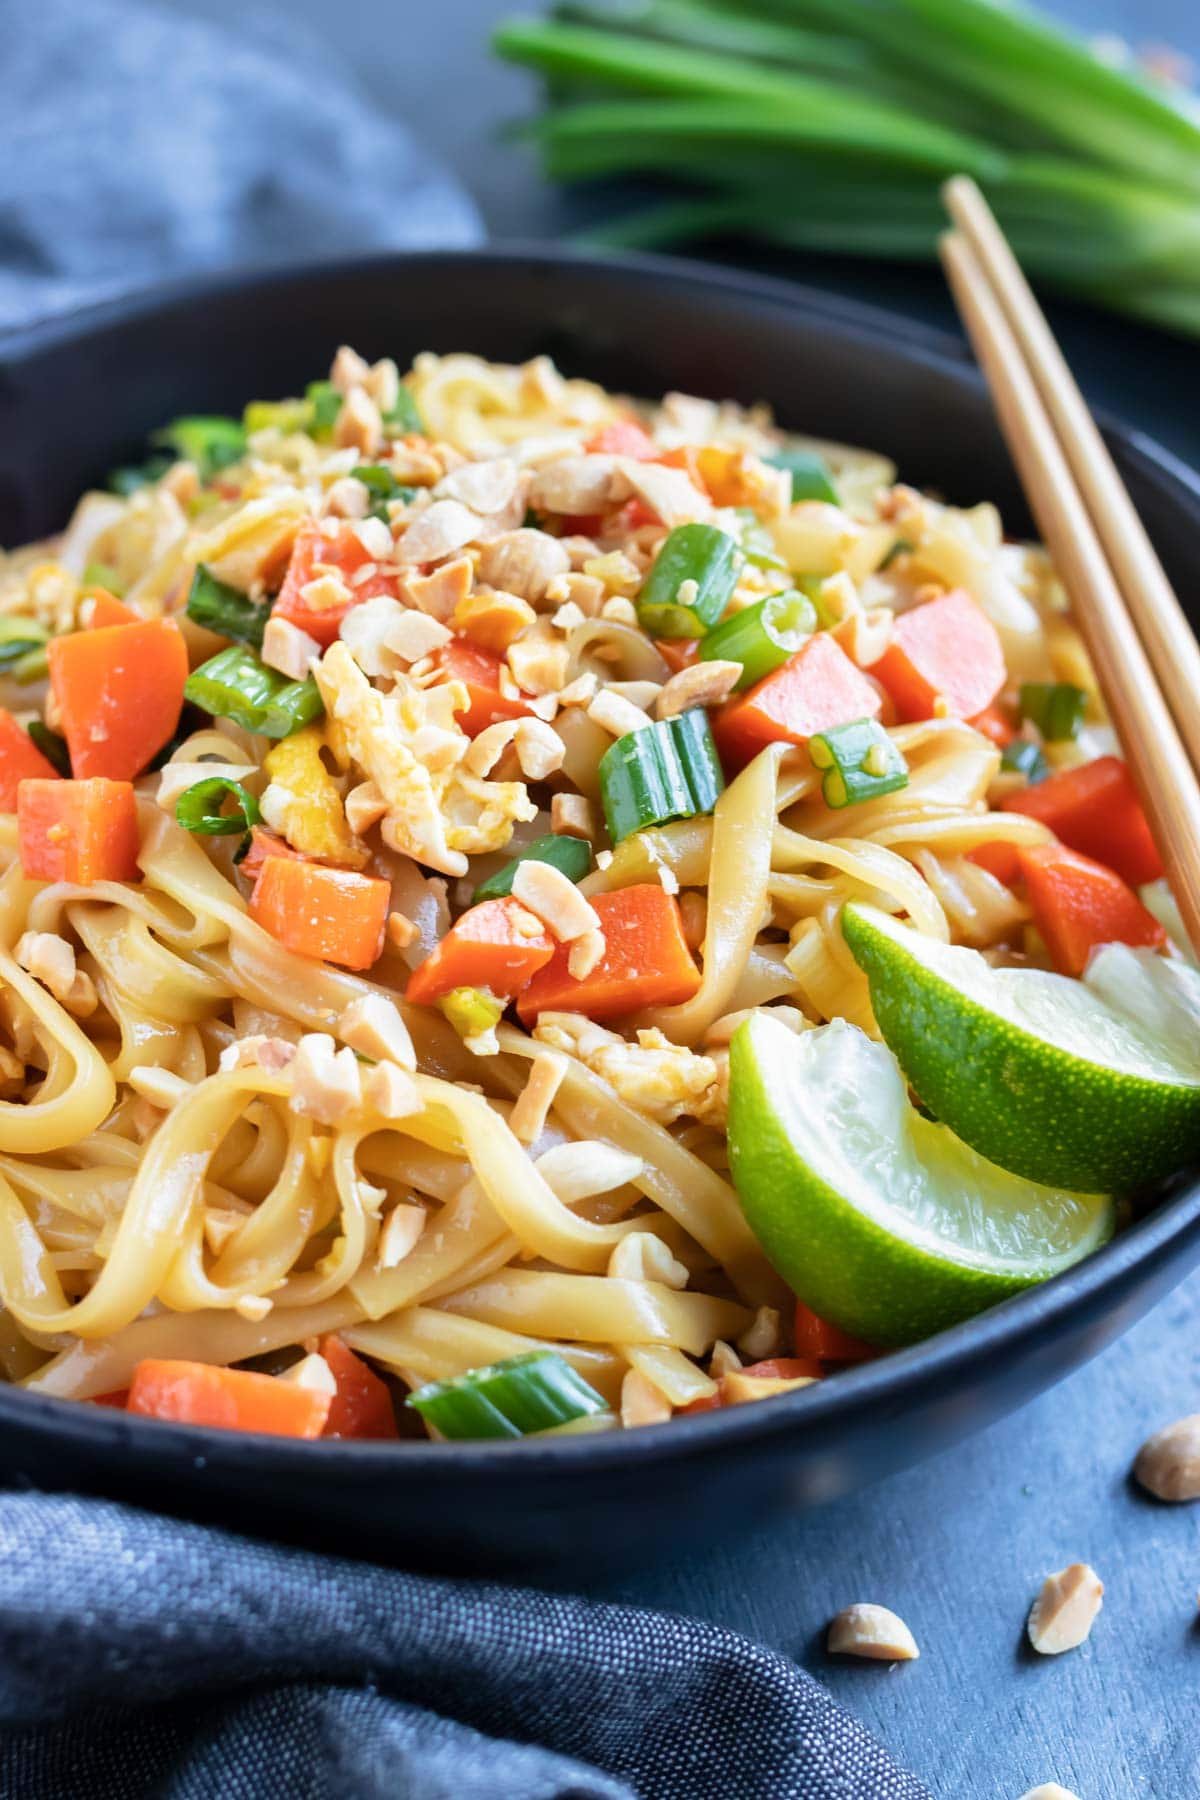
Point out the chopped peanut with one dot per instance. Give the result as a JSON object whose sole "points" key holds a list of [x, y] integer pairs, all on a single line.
{"points": [[572, 815], [400, 930], [391, 1091], [286, 648], [762, 1339], [1065, 1611], [348, 498], [326, 1084], [440, 593], [374, 1026], [555, 900], [1168, 1464], [586, 954], [401, 1230], [616, 715], [539, 661], [641, 1402], [523, 562], [527, 1120], [704, 684], [358, 425], [492, 618], [873, 1632]]}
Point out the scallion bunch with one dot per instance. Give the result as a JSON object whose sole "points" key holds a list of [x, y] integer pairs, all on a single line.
{"points": [[830, 125]]}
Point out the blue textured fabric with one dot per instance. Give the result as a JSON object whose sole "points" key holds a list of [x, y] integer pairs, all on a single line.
{"points": [[141, 144], [143, 1656]]}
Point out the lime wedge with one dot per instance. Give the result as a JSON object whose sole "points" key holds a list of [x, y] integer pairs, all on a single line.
{"points": [[1094, 1084], [880, 1219]]}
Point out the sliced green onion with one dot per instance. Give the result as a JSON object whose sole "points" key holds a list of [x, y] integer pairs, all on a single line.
{"points": [[472, 1011], [218, 607], [405, 414], [277, 415], [860, 762], [198, 808], [52, 747], [33, 665], [1055, 707], [691, 582], [810, 475], [212, 442], [100, 574], [569, 854], [132, 476], [1023, 757], [233, 684], [762, 637], [383, 487], [757, 543], [535, 1391], [324, 405], [19, 636], [669, 770]]}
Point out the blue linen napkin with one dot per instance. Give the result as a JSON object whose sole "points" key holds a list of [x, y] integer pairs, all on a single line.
{"points": [[144, 1656], [140, 144]]}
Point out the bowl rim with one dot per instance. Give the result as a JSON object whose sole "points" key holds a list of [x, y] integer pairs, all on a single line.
{"points": [[867, 1388]]}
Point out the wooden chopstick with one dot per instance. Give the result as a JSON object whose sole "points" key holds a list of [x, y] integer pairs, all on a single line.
{"points": [[1158, 762], [1169, 640]]}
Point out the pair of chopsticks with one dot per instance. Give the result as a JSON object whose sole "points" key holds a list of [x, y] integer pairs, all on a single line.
{"points": [[1145, 655]]}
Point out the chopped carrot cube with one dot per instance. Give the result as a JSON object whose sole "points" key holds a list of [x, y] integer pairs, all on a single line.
{"points": [[335, 915], [119, 690], [646, 961], [20, 760], [820, 1339], [624, 437], [192, 1393], [944, 661], [264, 843], [77, 831], [362, 1406], [816, 688], [1079, 904], [678, 653], [994, 723], [1095, 809], [491, 946], [479, 672], [104, 609], [342, 554]]}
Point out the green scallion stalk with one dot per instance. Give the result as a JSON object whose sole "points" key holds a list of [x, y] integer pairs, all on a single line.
{"points": [[669, 770], [761, 637], [536, 1391], [690, 583], [277, 415], [103, 575], [405, 418], [324, 405], [235, 685], [1023, 757], [218, 607], [811, 479], [132, 476], [18, 637], [570, 855], [52, 747], [212, 443], [1055, 707], [383, 487], [859, 761], [199, 808], [33, 665]]}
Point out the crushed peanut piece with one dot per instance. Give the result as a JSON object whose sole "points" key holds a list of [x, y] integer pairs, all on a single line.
{"points": [[527, 1120], [401, 1230], [254, 1307], [391, 1091], [1168, 1464], [573, 815], [873, 1632], [704, 684], [326, 1084], [359, 425], [762, 1338], [400, 930], [555, 900], [1049, 1790], [724, 1360], [641, 1402], [219, 1225], [286, 648], [492, 618], [374, 1026], [586, 954], [1065, 1611], [616, 715]]}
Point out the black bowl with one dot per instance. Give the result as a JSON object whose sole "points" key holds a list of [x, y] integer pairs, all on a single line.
{"points": [[81, 395]]}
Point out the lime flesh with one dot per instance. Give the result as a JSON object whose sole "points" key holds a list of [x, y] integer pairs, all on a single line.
{"points": [[1091, 1084], [881, 1220]]}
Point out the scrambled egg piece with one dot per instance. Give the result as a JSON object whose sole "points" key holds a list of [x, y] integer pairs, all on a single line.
{"points": [[303, 802], [408, 744], [658, 1078], [249, 542]]}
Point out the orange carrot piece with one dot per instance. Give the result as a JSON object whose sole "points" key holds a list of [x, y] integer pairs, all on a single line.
{"points": [[824, 1342], [20, 760], [816, 688], [646, 961], [194, 1393], [362, 1406], [624, 437], [102, 608], [119, 691], [678, 653], [79, 831], [994, 723], [335, 915], [999, 858], [118, 1399], [1079, 904], [945, 660], [479, 672], [775, 1368], [315, 554], [1095, 809], [264, 843], [491, 946]]}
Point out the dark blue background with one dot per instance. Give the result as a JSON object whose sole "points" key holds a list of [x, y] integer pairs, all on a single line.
{"points": [[959, 1546]]}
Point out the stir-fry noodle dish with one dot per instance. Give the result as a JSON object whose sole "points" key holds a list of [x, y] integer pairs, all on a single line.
{"points": [[532, 911]]}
